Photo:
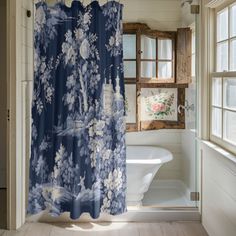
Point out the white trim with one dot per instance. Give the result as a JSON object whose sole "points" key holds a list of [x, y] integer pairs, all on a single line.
{"points": [[15, 168], [221, 151], [222, 75], [217, 3], [133, 215]]}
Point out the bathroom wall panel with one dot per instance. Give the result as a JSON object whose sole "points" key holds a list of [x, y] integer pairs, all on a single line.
{"points": [[218, 191]]}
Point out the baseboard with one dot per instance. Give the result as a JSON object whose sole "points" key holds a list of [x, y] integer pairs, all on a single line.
{"points": [[138, 215], [173, 183], [3, 180]]}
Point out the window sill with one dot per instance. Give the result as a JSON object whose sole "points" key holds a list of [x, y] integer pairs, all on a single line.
{"points": [[223, 152]]}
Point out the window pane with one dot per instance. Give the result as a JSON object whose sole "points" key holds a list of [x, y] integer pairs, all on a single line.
{"points": [[222, 25], [148, 47], [230, 126], [233, 54], [130, 69], [148, 69], [164, 70], [222, 56], [130, 103], [233, 21], [164, 49], [129, 46], [217, 92], [230, 93], [216, 121]]}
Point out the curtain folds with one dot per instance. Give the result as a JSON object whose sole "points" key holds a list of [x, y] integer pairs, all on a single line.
{"points": [[78, 154]]}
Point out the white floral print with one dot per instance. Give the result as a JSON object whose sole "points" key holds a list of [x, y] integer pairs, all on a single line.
{"points": [[78, 147]]}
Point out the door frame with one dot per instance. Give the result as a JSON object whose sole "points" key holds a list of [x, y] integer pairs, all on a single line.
{"points": [[15, 160]]}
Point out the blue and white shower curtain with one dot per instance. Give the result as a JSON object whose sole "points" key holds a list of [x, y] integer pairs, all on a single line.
{"points": [[78, 149]]}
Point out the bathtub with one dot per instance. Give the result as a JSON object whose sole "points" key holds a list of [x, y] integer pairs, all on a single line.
{"points": [[143, 162]]}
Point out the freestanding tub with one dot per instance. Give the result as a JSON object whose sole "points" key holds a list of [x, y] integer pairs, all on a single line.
{"points": [[143, 162]]}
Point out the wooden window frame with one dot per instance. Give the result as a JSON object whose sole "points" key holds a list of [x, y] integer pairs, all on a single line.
{"points": [[142, 29], [159, 35]]}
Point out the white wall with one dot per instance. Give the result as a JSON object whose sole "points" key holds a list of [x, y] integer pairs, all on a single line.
{"points": [[218, 192], [3, 95], [158, 14]]}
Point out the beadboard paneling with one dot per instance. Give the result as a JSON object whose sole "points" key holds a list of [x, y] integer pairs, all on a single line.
{"points": [[218, 193]]}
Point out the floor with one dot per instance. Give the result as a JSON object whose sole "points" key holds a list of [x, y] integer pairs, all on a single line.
{"points": [[165, 197], [108, 229], [104, 229]]}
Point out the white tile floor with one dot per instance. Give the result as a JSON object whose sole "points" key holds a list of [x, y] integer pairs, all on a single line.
{"points": [[167, 197]]}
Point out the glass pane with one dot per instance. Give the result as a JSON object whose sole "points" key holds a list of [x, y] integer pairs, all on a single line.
{"points": [[233, 21], [164, 70], [233, 54], [148, 47], [130, 69], [129, 46], [230, 126], [148, 69], [222, 25], [216, 121], [217, 92], [222, 56], [230, 93], [130, 103], [164, 49]]}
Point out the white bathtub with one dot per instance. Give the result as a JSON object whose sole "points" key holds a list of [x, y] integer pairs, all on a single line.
{"points": [[143, 162]]}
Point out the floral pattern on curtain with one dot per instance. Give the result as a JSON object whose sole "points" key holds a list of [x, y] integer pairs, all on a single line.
{"points": [[78, 154]]}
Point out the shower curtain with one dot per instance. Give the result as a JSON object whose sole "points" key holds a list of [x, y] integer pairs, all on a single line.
{"points": [[78, 149]]}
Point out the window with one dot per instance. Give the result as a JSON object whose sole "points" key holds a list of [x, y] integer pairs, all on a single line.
{"points": [[157, 58], [223, 80], [153, 90]]}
